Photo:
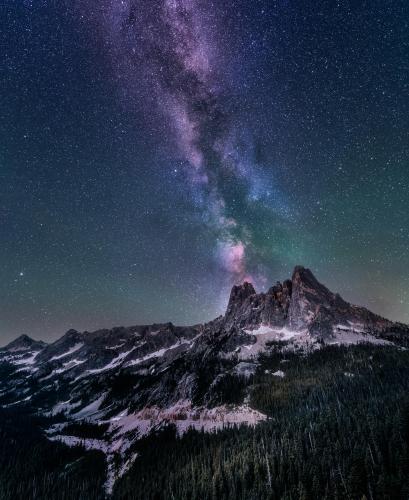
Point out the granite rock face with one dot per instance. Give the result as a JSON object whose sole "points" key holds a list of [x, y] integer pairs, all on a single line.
{"points": [[299, 304], [323, 312], [246, 308]]}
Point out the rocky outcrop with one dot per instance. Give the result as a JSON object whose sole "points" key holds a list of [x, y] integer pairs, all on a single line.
{"points": [[247, 309], [299, 304]]}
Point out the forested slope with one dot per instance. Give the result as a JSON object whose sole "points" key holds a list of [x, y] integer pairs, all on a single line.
{"points": [[33, 468], [339, 429]]}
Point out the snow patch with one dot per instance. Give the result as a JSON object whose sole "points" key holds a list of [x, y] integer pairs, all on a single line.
{"points": [[184, 416], [114, 363], [69, 365], [264, 334], [91, 409], [351, 327], [21, 359], [116, 346], [17, 402], [351, 336], [63, 407], [106, 447], [74, 348], [245, 369], [121, 427], [157, 354]]}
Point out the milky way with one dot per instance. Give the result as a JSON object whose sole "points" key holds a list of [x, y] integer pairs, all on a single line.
{"points": [[154, 152], [173, 43]]}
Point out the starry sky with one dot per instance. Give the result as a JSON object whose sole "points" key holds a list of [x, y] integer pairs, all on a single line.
{"points": [[155, 152]]}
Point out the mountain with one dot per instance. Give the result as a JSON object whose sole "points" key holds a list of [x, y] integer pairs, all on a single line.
{"points": [[24, 343], [303, 305], [110, 389]]}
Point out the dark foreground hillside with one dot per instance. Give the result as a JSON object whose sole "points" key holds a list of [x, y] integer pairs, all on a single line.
{"points": [[32, 467], [338, 429]]}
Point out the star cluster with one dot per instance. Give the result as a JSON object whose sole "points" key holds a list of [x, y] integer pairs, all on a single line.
{"points": [[156, 152]]}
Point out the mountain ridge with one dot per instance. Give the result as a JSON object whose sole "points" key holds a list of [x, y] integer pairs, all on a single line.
{"points": [[241, 292], [136, 379]]}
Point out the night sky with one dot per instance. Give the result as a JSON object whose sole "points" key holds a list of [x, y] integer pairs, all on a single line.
{"points": [[155, 152]]}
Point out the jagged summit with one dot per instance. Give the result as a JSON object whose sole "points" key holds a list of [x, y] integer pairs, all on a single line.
{"points": [[238, 294], [141, 377], [301, 304], [292, 302]]}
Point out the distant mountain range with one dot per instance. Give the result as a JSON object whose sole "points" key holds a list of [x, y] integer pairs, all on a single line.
{"points": [[136, 380]]}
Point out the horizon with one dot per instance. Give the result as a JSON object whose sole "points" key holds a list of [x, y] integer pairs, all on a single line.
{"points": [[154, 154], [59, 334]]}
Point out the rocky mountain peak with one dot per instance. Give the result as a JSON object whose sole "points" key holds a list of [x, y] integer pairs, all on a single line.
{"points": [[238, 294], [248, 309], [150, 375], [308, 297], [303, 279], [301, 303], [24, 343], [303, 287]]}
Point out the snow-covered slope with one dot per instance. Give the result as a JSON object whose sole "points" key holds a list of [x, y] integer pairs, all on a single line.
{"points": [[134, 380]]}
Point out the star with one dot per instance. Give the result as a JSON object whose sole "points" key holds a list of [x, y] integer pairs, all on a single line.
{"points": [[196, 144]]}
